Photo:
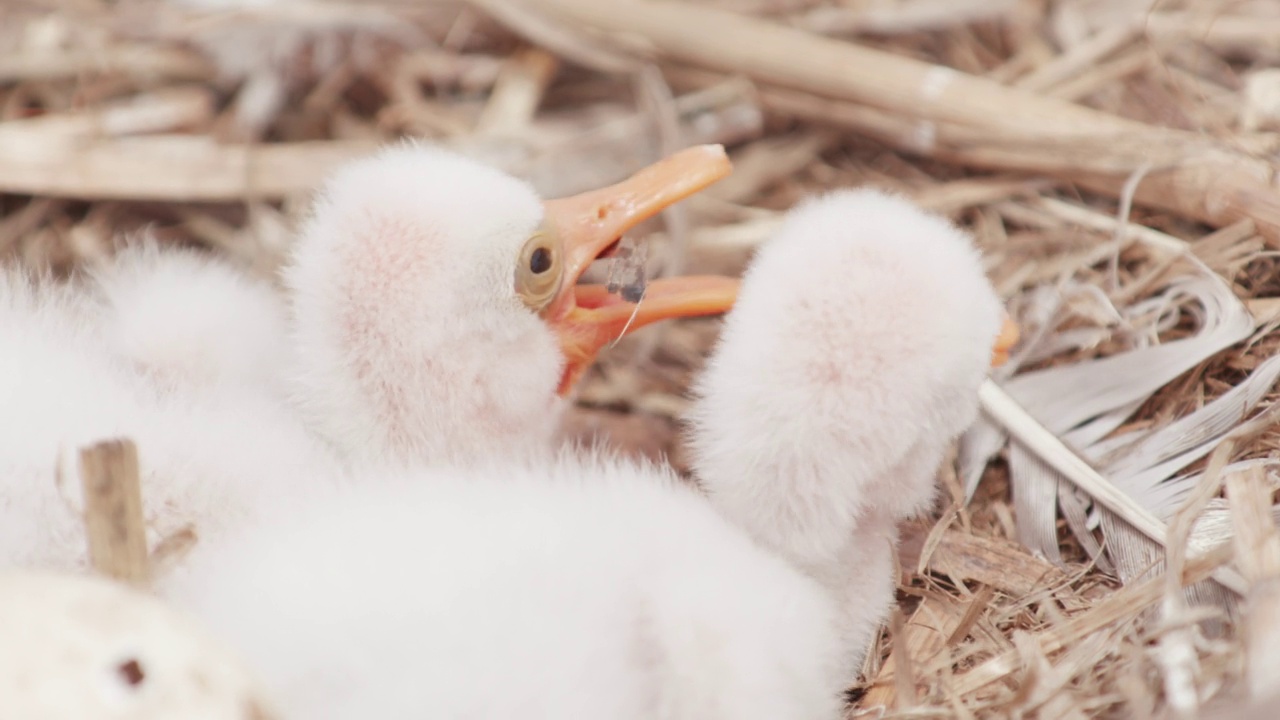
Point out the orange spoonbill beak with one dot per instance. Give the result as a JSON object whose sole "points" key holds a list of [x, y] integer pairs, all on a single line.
{"points": [[588, 226]]}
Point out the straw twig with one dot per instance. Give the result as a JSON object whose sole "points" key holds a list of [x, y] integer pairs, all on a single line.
{"points": [[113, 511], [1258, 556]]}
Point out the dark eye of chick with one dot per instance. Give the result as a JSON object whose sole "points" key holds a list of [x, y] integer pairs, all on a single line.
{"points": [[540, 261]]}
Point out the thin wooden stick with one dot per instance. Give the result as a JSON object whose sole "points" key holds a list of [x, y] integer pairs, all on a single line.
{"points": [[113, 511], [1078, 59]]}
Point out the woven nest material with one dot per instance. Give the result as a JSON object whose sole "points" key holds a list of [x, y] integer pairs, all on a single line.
{"points": [[1114, 158]]}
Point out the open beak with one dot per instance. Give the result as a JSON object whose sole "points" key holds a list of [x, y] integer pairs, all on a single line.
{"points": [[1005, 341], [588, 317]]}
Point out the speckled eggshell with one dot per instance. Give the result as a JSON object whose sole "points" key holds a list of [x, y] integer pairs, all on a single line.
{"points": [[80, 648]]}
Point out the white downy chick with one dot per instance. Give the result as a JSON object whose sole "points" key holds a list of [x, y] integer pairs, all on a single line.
{"points": [[436, 314], [528, 585], [210, 454], [183, 316], [422, 364], [213, 343], [78, 647], [851, 360], [59, 390], [535, 590]]}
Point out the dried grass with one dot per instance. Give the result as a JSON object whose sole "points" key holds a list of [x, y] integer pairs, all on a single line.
{"points": [[1102, 152]]}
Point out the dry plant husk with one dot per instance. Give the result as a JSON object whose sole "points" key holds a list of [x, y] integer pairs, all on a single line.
{"points": [[1106, 543]]}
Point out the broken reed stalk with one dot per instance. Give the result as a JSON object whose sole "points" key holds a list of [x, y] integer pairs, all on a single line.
{"points": [[175, 168], [936, 110], [113, 511], [931, 630], [102, 155], [1257, 545], [517, 92]]}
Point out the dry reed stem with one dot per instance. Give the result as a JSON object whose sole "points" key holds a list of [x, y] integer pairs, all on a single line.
{"points": [[1119, 607], [173, 168], [998, 564], [113, 511], [931, 629], [1258, 556], [161, 111], [517, 92], [1201, 179], [158, 63]]}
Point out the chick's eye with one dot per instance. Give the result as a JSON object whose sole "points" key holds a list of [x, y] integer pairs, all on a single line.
{"points": [[539, 272], [540, 260]]}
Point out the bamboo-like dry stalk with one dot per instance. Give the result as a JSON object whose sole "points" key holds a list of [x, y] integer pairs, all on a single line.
{"points": [[517, 92], [177, 168], [946, 112], [175, 63], [113, 518]]}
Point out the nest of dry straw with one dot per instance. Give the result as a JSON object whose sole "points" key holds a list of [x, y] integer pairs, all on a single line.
{"points": [[1115, 159]]}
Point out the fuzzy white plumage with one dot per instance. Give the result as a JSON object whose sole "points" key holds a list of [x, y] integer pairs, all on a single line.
{"points": [[412, 346], [588, 588], [92, 360], [850, 362], [542, 590], [414, 342], [422, 336], [183, 317]]}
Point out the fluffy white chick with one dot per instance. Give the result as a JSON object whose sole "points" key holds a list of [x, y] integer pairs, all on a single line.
{"points": [[435, 309], [184, 316], [78, 647], [852, 359], [435, 316], [59, 390], [212, 343], [533, 590], [210, 455]]}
